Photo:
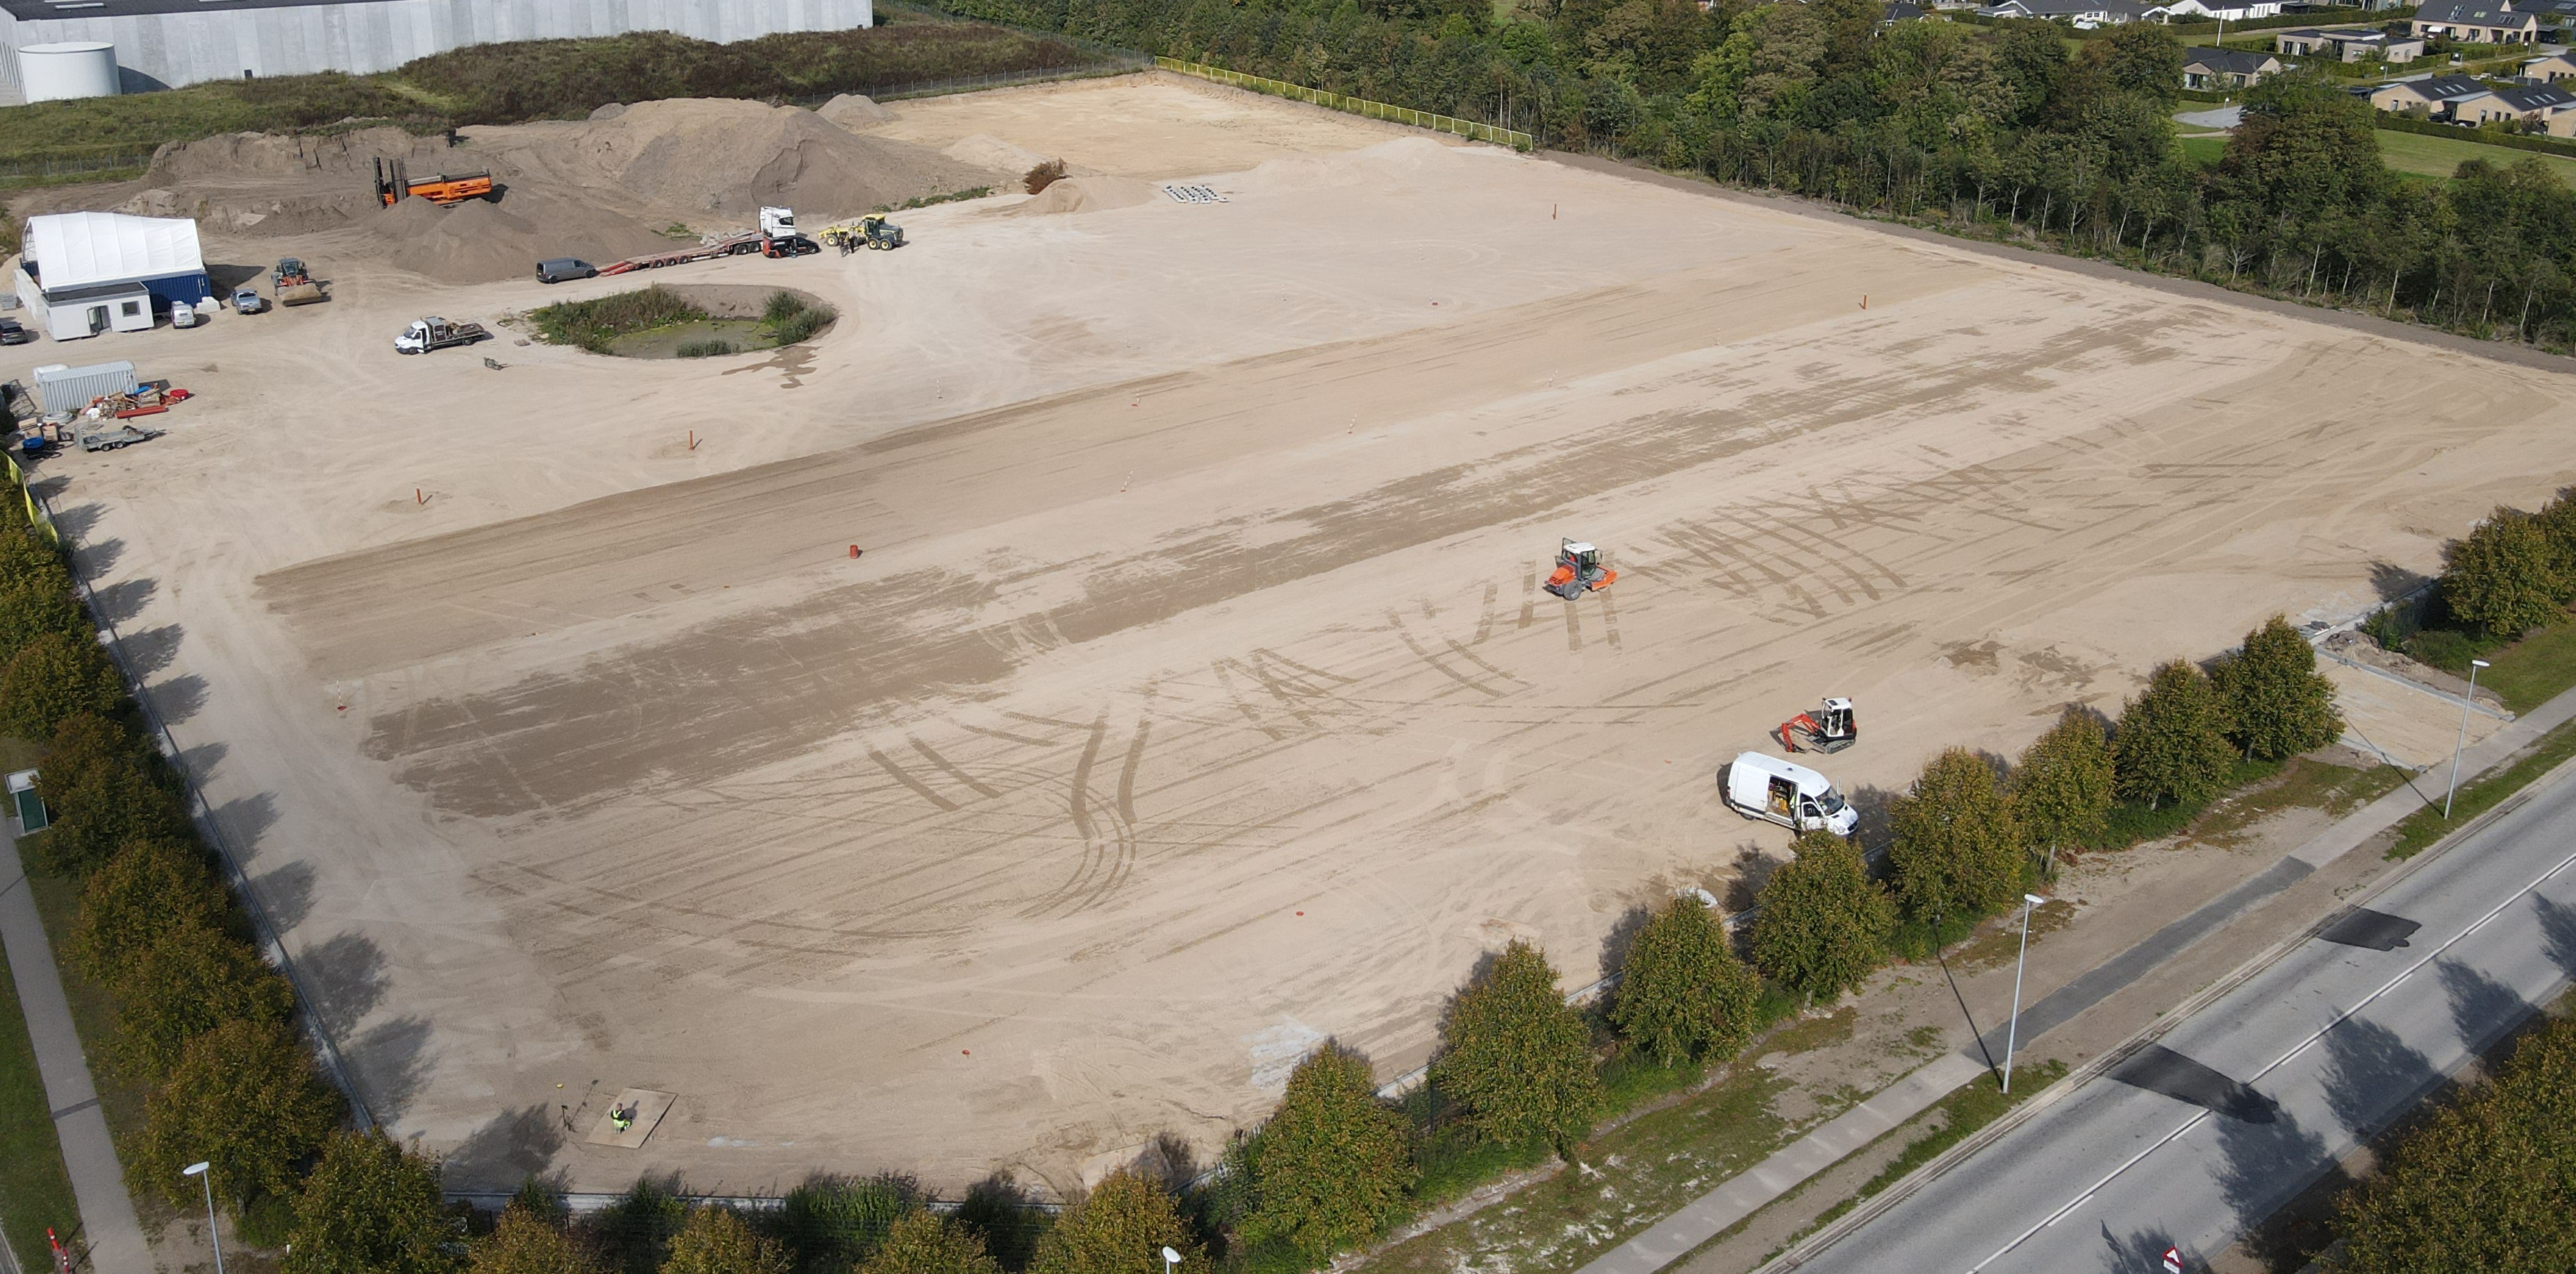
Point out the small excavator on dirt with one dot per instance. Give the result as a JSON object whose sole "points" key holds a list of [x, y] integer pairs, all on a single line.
{"points": [[1830, 728], [1579, 571]]}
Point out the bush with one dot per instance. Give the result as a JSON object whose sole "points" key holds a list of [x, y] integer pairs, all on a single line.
{"points": [[704, 349], [921, 1242], [193, 980], [56, 675], [2497, 579], [2486, 1185], [2060, 790], [370, 1207], [149, 890], [35, 597], [1000, 1215], [2172, 742], [832, 1223], [716, 1241], [244, 1097], [1956, 852], [2278, 704], [1036, 180], [801, 325], [783, 305], [1330, 1169], [637, 1229], [2557, 523], [528, 1242], [1682, 993], [1823, 924], [1121, 1227], [1517, 1057]]}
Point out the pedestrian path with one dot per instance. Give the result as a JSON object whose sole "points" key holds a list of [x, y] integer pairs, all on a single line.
{"points": [[108, 1225], [1708, 1216]]}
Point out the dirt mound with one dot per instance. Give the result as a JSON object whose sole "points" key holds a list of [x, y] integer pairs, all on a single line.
{"points": [[854, 111], [1088, 194], [598, 188]]}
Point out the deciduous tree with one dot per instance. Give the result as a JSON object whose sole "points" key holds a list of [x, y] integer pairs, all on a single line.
{"points": [[53, 676], [718, 1241], [371, 1207], [2061, 788], [2278, 704], [149, 889], [1682, 993], [2498, 577], [1822, 924], [1517, 1057], [528, 1242], [193, 980], [1333, 1164], [923, 1242], [98, 811], [2172, 742], [243, 1097], [1956, 851], [1120, 1227]]}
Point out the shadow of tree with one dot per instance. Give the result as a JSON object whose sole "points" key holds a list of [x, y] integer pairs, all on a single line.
{"points": [[2391, 581], [2372, 1076], [2267, 1163], [507, 1150], [1005, 1213], [245, 820], [150, 650], [2557, 932], [201, 761], [179, 698], [346, 978], [1622, 935], [75, 522], [2137, 1252], [389, 1063], [1753, 870], [286, 894], [97, 559], [121, 601], [2482, 1009]]}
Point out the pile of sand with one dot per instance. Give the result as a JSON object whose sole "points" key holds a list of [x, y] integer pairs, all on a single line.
{"points": [[854, 111], [1087, 194], [597, 189]]}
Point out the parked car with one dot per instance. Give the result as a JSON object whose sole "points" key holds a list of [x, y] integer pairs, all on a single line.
{"points": [[562, 268], [12, 332], [248, 301]]}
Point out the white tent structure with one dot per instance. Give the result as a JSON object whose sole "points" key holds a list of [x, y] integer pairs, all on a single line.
{"points": [[88, 272]]}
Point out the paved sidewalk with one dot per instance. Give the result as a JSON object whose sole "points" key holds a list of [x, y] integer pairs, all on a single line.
{"points": [[1709, 1215], [108, 1224]]}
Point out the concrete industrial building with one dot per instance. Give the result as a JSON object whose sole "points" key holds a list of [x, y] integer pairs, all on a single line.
{"points": [[84, 273], [168, 43]]}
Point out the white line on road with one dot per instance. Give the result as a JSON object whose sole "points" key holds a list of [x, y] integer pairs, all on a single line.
{"points": [[2303, 1046]]}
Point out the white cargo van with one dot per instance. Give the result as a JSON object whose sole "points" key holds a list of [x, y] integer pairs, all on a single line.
{"points": [[1786, 793]]}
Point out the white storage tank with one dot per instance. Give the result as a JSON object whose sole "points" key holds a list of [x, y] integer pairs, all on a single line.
{"points": [[56, 72]]}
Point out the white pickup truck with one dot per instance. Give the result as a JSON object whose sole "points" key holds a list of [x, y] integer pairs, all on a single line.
{"points": [[432, 333]]}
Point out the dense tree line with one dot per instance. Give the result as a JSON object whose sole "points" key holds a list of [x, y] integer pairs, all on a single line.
{"points": [[1994, 127]]}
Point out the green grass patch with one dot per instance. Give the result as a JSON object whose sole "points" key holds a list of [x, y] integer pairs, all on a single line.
{"points": [[596, 324], [1971, 1106], [2425, 826], [2300, 783], [2534, 670], [35, 1191], [2203, 152], [2440, 157], [704, 349]]}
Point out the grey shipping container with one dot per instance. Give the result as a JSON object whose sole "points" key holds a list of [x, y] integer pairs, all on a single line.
{"points": [[62, 388]]}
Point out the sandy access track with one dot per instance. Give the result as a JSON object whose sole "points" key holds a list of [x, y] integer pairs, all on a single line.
{"points": [[1194, 700]]}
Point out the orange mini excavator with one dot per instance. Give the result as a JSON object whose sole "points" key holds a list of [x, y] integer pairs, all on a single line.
{"points": [[1579, 571], [1830, 728]]}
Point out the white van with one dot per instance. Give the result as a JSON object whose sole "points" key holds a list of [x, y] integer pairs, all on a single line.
{"points": [[1786, 793]]}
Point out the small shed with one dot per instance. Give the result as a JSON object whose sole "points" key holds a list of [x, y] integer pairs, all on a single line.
{"points": [[25, 804], [84, 273], [61, 388]]}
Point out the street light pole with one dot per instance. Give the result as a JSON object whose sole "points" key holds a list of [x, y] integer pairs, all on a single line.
{"points": [[2463, 743], [206, 1178], [2012, 1034]]}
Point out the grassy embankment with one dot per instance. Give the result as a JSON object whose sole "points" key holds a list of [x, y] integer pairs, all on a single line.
{"points": [[35, 1192], [2525, 674], [2413, 153], [110, 138]]}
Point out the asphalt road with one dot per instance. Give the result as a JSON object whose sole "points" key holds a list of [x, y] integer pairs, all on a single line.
{"points": [[2236, 1110]]}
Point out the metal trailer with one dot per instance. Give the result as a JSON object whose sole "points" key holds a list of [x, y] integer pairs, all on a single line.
{"points": [[63, 389]]}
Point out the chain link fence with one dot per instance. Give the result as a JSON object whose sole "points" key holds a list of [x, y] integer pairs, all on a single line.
{"points": [[1355, 105]]}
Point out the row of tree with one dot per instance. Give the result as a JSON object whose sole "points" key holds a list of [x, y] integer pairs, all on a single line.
{"points": [[1993, 126]]}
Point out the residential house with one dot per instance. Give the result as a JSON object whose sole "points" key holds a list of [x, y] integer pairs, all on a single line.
{"points": [[2475, 22], [2552, 14], [2226, 10], [1901, 11], [2431, 96], [2081, 13], [2551, 69], [2348, 44], [2532, 105], [2213, 69]]}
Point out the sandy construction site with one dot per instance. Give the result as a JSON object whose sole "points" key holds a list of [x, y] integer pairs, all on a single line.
{"points": [[1193, 699]]}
